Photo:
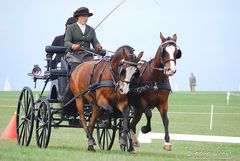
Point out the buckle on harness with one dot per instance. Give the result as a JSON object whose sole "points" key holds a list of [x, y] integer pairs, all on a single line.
{"points": [[155, 87]]}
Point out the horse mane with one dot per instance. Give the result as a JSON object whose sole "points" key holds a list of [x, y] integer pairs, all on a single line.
{"points": [[133, 57], [129, 48]]}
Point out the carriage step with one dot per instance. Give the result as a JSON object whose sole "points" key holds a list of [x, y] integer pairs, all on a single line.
{"points": [[56, 72], [53, 101], [75, 122]]}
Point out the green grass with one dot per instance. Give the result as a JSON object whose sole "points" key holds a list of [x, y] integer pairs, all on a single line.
{"points": [[70, 144]]}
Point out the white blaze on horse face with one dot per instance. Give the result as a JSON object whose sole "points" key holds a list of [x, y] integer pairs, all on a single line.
{"points": [[171, 51], [124, 86]]}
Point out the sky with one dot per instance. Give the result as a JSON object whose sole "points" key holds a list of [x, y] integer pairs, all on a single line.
{"points": [[208, 34]]}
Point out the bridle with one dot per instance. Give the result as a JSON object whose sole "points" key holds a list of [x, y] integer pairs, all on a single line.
{"points": [[162, 48], [162, 51], [116, 77]]}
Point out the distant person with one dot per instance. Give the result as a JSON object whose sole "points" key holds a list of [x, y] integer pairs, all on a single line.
{"points": [[59, 41], [192, 82], [80, 35]]}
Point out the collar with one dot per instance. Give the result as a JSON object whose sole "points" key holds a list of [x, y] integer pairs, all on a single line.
{"points": [[80, 25]]}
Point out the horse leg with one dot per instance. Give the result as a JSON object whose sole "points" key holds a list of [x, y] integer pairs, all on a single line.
{"points": [[124, 108], [108, 109], [80, 107], [163, 112], [138, 110], [96, 113], [148, 114]]}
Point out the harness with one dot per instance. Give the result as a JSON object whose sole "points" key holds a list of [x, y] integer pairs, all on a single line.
{"points": [[103, 83], [152, 85]]}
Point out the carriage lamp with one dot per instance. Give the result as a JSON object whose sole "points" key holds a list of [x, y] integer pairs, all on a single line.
{"points": [[36, 71]]}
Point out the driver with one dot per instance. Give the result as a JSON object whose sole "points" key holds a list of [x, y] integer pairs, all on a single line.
{"points": [[79, 36]]}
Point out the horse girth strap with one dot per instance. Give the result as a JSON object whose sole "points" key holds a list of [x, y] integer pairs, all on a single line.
{"points": [[152, 86], [103, 83]]}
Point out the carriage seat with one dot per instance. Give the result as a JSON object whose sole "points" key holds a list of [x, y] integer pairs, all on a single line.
{"points": [[63, 71], [52, 64], [55, 49]]}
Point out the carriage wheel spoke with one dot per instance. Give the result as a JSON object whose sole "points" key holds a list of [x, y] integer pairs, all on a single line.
{"points": [[27, 105], [107, 133], [40, 137], [44, 136], [39, 119], [39, 128], [20, 136], [24, 102], [103, 138], [24, 133], [21, 104], [101, 135], [20, 125], [28, 127]]}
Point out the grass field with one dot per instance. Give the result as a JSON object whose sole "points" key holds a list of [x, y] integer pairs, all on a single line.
{"points": [[188, 114]]}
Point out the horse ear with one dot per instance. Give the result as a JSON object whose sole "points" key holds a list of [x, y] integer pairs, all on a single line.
{"points": [[175, 37], [140, 56], [162, 37]]}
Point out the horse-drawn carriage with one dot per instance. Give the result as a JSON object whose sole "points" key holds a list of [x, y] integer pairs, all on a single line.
{"points": [[50, 111]]}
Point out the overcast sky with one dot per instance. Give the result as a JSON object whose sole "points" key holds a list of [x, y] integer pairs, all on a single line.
{"points": [[208, 33]]}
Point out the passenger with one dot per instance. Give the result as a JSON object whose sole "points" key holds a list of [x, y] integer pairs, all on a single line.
{"points": [[59, 41], [78, 36]]}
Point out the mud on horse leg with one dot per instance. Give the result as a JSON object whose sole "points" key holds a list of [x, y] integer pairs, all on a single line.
{"points": [[148, 114], [167, 144]]}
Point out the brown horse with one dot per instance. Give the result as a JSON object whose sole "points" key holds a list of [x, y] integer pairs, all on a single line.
{"points": [[104, 85], [152, 87]]}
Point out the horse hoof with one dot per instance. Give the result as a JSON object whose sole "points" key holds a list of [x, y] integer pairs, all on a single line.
{"points": [[146, 129], [91, 148], [167, 146], [132, 150], [135, 142]]}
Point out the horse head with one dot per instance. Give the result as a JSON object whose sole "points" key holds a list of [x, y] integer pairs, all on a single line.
{"points": [[169, 52], [126, 62]]}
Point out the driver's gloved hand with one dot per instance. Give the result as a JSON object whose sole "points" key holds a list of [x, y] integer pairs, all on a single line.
{"points": [[102, 53]]}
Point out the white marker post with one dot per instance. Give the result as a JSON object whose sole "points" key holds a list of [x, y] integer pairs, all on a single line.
{"points": [[7, 85], [211, 118], [228, 97]]}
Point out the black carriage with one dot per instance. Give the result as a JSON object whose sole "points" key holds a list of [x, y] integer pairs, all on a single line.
{"points": [[47, 111]]}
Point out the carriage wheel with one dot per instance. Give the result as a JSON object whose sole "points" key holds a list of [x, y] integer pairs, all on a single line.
{"points": [[43, 124], [25, 117], [106, 136]]}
